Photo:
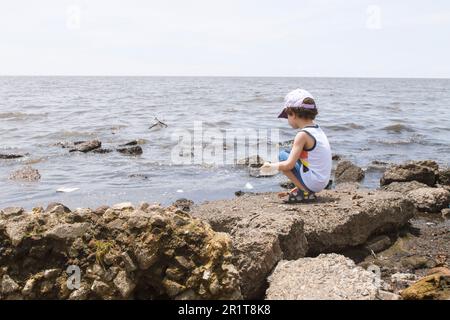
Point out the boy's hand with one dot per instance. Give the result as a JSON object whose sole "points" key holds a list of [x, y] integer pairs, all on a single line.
{"points": [[269, 169]]}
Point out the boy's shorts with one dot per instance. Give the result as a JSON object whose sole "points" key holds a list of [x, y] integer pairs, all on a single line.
{"points": [[304, 175]]}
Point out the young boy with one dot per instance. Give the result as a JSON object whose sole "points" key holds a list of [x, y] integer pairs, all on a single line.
{"points": [[308, 163]]}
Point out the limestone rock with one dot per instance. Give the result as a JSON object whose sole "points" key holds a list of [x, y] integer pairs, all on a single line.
{"points": [[86, 146], [430, 199], [420, 171], [326, 277]]}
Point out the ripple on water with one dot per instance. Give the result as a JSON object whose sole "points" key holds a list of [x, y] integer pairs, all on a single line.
{"points": [[398, 128]]}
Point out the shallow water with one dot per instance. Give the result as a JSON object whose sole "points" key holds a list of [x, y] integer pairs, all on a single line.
{"points": [[391, 120]]}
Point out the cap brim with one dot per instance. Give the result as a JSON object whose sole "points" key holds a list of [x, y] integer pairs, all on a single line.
{"points": [[283, 114]]}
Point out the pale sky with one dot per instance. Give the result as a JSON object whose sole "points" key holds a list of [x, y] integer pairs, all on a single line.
{"points": [[328, 38]]}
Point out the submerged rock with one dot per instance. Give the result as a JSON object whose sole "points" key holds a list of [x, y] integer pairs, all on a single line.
{"points": [[252, 161], [10, 156], [348, 172], [122, 252], [421, 171], [86, 146], [27, 174], [327, 277], [135, 150]]}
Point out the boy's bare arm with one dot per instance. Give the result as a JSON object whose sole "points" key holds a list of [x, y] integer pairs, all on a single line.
{"points": [[297, 148]]}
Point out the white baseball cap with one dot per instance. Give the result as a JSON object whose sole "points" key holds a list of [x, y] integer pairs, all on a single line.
{"points": [[295, 99]]}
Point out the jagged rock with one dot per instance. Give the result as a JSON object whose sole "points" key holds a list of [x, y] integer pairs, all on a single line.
{"points": [[135, 150], [403, 187], [435, 286], [401, 281], [326, 277], [123, 206], [123, 254], [12, 211], [445, 213], [86, 146], [27, 174], [252, 161], [67, 231], [430, 199], [348, 172], [421, 171], [58, 208], [444, 176], [8, 285], [262, 235], [184, 204]]}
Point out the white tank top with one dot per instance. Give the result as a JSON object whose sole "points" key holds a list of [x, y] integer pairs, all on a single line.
{"points": [[317, 160]]}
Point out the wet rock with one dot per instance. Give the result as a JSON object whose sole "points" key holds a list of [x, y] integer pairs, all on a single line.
{"points": [[136, 150], [27, 174], [378, 244], [417, 262], [252, 161], [336, 157], [184, 204], [430, 199], [348, 172], [10, 156], [86, 146], [403, 187], [102, 150], [326, 277], [133, 143], [436, 286], [421, 171], [262, 235]]}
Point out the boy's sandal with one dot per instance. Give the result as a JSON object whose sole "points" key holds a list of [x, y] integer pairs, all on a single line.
{"points": [[299, 196]]}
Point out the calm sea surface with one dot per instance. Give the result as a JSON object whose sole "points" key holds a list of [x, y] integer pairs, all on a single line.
{"points": [[390, 120]]}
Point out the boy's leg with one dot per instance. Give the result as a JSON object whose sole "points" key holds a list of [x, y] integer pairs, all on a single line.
{"points": [[283, 156], [294, 180]]}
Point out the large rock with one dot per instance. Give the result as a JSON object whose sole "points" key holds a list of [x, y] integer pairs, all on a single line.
{"points": [[264, 230], [422, 171], [261, 232], [147, 253], [26, 174], [132, 151], [348, 172], [430, 199], [327, 277]]}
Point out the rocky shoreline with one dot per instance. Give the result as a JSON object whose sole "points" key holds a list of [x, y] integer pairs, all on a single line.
{"points": [[353, 243]]}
